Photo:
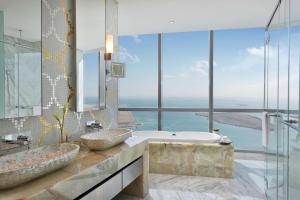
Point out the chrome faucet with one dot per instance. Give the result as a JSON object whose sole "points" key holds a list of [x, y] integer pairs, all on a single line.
{"points": [[20, 139], [93, 125], [14, 143]]}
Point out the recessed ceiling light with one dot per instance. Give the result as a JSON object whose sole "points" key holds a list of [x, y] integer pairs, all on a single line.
{"points": [[172, 21]]}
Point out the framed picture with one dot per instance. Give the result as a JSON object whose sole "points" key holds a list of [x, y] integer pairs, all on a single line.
{"points": [[117, 70]]}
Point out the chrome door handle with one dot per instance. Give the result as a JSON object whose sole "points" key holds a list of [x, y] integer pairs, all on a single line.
{"points": [[291, 121], [274, 115]]}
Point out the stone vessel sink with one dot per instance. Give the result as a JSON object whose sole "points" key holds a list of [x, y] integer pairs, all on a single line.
{"points": [[105, 139], [22, 167]]}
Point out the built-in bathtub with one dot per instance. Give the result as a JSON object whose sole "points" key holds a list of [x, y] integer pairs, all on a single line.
{"points": [[179, 136], [188, 153]]}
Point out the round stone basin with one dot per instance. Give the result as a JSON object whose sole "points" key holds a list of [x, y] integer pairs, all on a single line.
{"points": [[105, 139], [22, 167]]}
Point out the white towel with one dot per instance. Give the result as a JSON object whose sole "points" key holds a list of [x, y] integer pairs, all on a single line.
{"points": [[265, 128]]}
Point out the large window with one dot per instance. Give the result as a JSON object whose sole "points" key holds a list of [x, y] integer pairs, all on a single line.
{"points": [[294, 103], [167, 88], [184, 121], [185, 70], [244, 129], [239, 68], [138, 120], [184, 80], [239, 84], [139, 88]]}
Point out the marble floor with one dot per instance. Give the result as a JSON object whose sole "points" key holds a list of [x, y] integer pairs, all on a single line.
{"points": [[248, 184]]}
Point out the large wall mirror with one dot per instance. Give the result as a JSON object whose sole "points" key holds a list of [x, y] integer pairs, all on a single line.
{"points": [[90, 45], [20, 58]]}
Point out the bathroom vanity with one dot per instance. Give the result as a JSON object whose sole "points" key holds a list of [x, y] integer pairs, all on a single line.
{"points": [[93, 175]]}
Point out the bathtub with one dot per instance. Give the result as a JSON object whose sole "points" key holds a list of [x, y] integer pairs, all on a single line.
{"points": [[179, 136], [188, 153]]}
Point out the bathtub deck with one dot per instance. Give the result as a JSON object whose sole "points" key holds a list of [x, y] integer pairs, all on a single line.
{"points": [[202, 159], [247, 184]]}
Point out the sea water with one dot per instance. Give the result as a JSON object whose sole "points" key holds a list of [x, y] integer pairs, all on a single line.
{"points": [[243, 138]]}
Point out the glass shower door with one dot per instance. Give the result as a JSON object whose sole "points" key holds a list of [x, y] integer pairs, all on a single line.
{"points": [[271, 103], [283, 85], [277, 104], [294, 117], [294, 164], [283, 99]]}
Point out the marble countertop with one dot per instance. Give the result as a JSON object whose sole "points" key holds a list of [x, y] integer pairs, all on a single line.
{"points": [[88, 169]]}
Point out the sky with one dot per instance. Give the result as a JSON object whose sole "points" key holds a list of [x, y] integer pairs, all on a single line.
{"points": [[91, 74], [238, 65]]}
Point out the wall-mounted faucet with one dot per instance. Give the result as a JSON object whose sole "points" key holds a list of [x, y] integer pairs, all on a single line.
{"points": [[16, 139], [14, 143], [93, 125]]}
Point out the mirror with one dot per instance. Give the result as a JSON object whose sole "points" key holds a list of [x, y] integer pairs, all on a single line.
{"points": [[20, 58], [90, 46]]}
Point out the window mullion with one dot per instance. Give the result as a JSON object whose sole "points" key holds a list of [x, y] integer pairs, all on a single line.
{"points": [[159, 102], [211, 80]]}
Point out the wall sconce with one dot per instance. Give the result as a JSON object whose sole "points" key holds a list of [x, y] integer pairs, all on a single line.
{"points": [[109, 46]]}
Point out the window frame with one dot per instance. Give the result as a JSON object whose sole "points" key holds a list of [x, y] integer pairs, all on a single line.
{"points": [[210, 110]]}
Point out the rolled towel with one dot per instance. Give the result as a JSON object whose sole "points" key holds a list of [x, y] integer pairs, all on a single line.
{"points": [[265, 128]]}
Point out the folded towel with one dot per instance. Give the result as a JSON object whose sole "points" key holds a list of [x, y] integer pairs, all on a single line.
{"points": [[265, 128]]}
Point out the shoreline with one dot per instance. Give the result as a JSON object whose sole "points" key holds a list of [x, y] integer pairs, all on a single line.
{"points": [[236, 119]]}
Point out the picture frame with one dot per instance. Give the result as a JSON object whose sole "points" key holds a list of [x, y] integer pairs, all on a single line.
{"points": [[118, 70]]}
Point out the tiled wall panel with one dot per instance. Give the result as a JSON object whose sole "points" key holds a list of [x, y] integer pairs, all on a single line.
{"points": [[58, 68]]}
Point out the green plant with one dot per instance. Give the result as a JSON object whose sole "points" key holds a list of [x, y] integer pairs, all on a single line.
{"points": [[61, 122]]}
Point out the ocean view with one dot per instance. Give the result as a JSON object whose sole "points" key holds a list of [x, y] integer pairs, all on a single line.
{"points": [[243, 137], [238, 80]]}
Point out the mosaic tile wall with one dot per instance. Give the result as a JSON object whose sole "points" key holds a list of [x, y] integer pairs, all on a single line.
{"points": [[58, 68]]}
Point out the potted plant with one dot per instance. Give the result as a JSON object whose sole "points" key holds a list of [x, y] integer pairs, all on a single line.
{"points": [[61, 121]]}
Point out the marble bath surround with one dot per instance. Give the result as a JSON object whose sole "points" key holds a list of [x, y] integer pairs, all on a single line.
{"points": [[182, 156], [211, 160], [87, 170]]}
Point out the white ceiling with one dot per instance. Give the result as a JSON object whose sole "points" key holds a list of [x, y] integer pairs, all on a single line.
{"points": [[22, 15], [146, 16], [153, 16]]}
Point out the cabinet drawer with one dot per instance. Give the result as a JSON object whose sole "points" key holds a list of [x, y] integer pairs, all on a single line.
{"points": [[107, 190], [132, 172]]}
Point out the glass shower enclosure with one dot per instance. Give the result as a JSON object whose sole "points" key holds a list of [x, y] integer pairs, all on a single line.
{"points": [[282, 80]]}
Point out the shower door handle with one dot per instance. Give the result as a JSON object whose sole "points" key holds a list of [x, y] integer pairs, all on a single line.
{"points": [[274, 115], [291, 121]]}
